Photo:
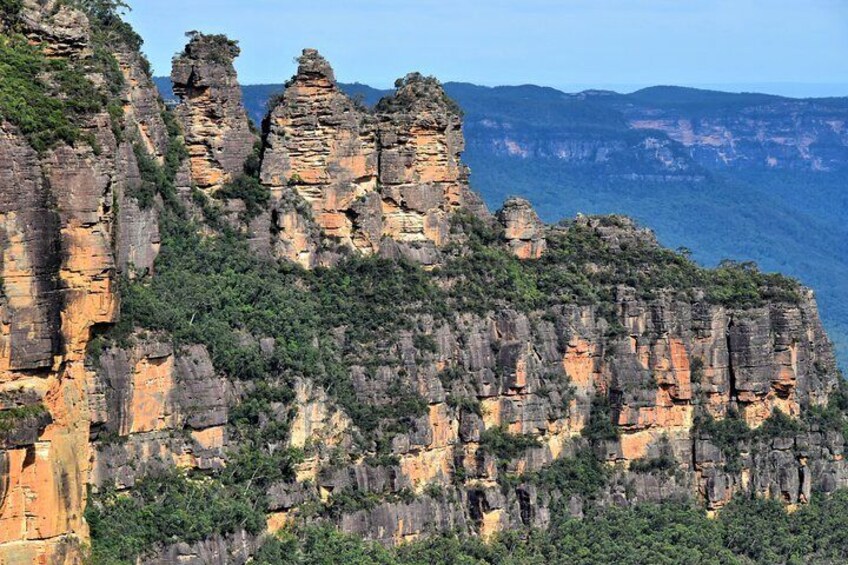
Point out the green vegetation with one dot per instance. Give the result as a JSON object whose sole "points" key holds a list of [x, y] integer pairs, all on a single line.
{"points": [[727, 434], [465, 404], [31, 102], [351, 500], [583, 475], [579, 267], [320, 546], [9, 9], [214, 291], [412, 88], [107, 22], [732, 433], [12, 418], [505, 446], [48, 99], [260, 460], [600, 426], [247, 188], [164, 509], [218, 47], [833, 416], [745, 532], [250, 191]]}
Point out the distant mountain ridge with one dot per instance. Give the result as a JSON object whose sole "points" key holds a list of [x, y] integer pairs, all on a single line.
{"points": [[745, 176], [672, 131]]}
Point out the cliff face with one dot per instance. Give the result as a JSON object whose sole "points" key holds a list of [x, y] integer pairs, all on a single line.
{"points": [[58, 269], [143, 395], [446, 404], [770, 133], [657, 133], [540, 375]]}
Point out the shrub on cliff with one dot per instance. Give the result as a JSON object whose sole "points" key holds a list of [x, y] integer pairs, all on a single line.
{"points": [[504, 445], [582, 474], [745, 532], [28, 101], [600, 426], [9, 9], [165, 509], [249, 190], [49, 99]]}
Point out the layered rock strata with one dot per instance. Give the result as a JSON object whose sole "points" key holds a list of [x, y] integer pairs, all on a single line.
{"points": [[655, 367], [61, 248], [217, 131], [394, 174], [141, 396]]}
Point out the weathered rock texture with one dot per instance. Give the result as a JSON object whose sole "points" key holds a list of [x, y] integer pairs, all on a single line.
{"points": [[58, 237], [142, 396], [234, 549], [537, 374], [395, 174], [323, 146], [523, 230], [384, 182], [216, 127], [420, 169]]}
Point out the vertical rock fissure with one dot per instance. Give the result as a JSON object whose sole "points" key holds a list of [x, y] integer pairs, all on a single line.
{"points": [[731, 366]]}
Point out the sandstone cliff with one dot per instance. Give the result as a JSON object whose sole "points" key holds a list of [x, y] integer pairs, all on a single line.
{"points": [[439, 376], [61, 249]]}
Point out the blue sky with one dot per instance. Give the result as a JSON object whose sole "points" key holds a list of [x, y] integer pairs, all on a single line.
{"points": [[793, 47]]}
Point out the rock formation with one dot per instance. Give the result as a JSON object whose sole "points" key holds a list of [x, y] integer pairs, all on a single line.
{"points": [[413, 421], [367, 176], [142, 396], [523, 230], [421, 173], [216, 127], [62, 245], [322, 146]]}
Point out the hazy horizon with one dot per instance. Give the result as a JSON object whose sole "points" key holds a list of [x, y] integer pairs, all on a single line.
{"points": [[780, 47], [789, 90]]}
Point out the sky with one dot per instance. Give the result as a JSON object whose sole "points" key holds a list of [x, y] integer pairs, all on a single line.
{"points": [[790, 47]]}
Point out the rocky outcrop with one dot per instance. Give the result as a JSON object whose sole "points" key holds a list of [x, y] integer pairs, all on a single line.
{"points": [[523, 230], [464, 408], [136, 228], [789, 468], [421, 173], [323, 146], [672, 363], [216, 127], [63, 30], [395, 174], [142, 107], [233, 549]]}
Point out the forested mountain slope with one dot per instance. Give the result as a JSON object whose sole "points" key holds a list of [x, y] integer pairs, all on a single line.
{"points": [[729, 176], [313, 342]]}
